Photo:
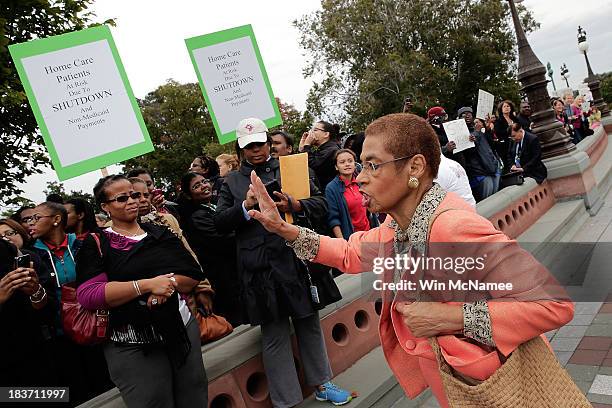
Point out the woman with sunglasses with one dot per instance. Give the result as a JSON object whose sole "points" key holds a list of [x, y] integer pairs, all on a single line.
{"points": [[81, 367], [401, 158], [321, 143], [209, 169], [153, 352], [215, 251]]}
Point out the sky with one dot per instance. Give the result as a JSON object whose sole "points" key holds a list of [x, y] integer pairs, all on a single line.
{"points": [[150, 39]]}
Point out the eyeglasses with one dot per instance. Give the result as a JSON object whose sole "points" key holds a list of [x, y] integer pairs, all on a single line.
{"points": [[199, 184], [33, 219], [320, 130], [124, 198], [370, 167], [9, 233]]}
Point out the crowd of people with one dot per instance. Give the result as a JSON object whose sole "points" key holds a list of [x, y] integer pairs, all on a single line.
{"points": [[154, 264]]}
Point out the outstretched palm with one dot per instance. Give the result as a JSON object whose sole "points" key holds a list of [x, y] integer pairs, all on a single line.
{"points": [[268, 214]]}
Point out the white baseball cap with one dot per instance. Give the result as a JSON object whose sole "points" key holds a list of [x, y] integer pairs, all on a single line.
{"points": [[251, 130]]}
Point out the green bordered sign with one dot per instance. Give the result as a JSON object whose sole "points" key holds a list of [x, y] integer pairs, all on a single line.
{"points": [[82, 100], [233, 79]]}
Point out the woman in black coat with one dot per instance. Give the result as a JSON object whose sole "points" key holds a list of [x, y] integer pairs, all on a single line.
{"points": [[216, 252], [27, 316], [274, 285]]}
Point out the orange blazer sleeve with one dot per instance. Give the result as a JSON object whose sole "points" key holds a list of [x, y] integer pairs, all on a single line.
{"points": [[356, 255], [536, 304]]}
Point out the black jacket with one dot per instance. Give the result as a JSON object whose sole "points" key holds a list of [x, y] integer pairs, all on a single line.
{"points": [[26, 346], [321, 160], [217, 254], [272, 278], [530, 157], [481, 160]]}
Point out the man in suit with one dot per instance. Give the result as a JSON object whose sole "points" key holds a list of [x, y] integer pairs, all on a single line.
{"points": [[526, 154]]}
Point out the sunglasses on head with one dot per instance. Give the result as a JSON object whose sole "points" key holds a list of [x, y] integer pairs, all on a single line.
{"points": [[124, 198]]}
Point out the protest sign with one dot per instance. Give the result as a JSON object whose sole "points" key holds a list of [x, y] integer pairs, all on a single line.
{"points": [[82, 100], [485, 104], [295, 178], [233, 80], [458, 132]]}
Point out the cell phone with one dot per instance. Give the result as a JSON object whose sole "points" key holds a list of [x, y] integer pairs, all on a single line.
{"points": [[22, 261], [271, 187], [157, 191]]}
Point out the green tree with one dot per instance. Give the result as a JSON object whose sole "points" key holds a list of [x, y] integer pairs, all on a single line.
{"points": [[21, 146], [55, 187], [606, 87], [294, 122], [180, 128], [371, 54], [13, 204]]}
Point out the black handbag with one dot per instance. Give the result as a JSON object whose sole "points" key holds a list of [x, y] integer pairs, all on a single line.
{"points": [[511, 179]]}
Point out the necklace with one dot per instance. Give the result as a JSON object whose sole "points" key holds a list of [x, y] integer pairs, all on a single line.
{"points": [[129, 234]]}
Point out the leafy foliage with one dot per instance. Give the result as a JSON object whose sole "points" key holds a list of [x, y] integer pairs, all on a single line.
{"points": [[371, 54], [54, 187], [21, 146], [180, 127], [606, 87], [294, 122]]}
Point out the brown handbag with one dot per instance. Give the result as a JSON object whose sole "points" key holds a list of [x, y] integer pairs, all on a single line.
{"points": [[84, 327], [212, 327], [531, 377]]}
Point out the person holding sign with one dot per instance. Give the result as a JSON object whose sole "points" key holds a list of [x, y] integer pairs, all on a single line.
{"points": [[273, 279], [482, 164]]}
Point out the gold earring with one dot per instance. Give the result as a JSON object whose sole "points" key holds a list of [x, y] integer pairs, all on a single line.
{"points": [[413, 182]]}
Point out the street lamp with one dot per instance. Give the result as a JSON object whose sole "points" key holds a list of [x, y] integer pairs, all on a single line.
{"points": [[565, 74], [532, 76], [594, 84], [550, 75]]}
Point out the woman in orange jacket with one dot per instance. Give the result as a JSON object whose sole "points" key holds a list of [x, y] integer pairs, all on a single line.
{"points": [[476, 327]]}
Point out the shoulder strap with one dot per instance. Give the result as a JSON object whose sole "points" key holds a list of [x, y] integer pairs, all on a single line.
{"points": [[96, 238]]}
